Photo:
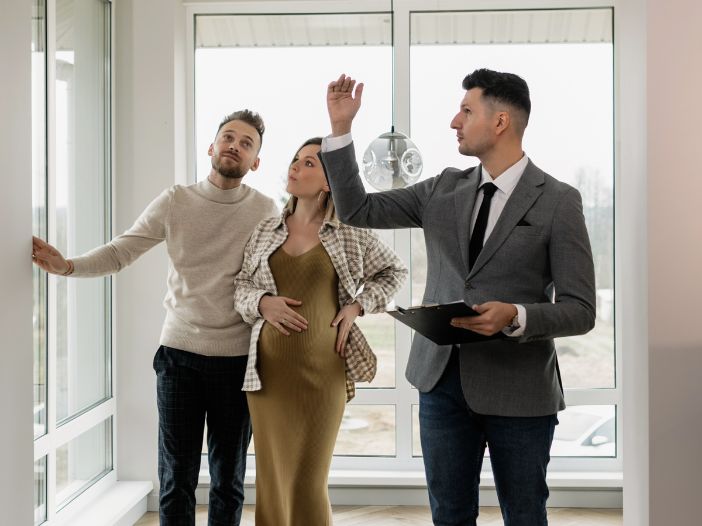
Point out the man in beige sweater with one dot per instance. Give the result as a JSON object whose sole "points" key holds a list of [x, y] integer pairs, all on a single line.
{"points": [[204, 342]]}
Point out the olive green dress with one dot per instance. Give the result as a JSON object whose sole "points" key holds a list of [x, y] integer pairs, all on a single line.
{"points": [[297, 414]]}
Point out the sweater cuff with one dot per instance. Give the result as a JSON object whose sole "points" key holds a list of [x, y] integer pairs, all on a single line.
{"points": [[257, 297], [365, 302]]}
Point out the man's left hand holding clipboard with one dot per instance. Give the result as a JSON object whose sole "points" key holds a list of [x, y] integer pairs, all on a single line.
{"points": [[445, 324], [492, 317]]}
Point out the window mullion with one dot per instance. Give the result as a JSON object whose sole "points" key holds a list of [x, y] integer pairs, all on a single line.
{"points": [[403, 340], [406, 395], [51, 296]]}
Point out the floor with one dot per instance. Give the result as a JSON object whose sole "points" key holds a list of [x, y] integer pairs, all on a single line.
{"points": [[419, 516]]}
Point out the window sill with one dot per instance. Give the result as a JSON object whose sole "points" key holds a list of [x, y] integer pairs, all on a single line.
{"points": [[122, 503]]}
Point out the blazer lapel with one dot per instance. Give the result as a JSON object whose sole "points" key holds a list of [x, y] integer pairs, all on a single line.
{"points": [[523, 197], [464, 195]]}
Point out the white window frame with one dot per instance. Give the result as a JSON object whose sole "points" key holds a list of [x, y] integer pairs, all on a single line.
{"points": [[403, 396], [61, 433]]}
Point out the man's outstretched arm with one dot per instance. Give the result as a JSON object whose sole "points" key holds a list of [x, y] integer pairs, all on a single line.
{"points": [[146, 232], [401, 208]]}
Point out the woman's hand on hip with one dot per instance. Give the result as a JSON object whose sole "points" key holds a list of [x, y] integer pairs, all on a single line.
{"points": [[276, 311], [344, 321]]}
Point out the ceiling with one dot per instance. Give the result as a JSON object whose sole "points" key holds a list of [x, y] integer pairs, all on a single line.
{"points": [[472, 27]]}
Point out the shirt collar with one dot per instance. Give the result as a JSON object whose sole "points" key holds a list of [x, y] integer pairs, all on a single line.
{"points": [[329, 221], [508, 179]]}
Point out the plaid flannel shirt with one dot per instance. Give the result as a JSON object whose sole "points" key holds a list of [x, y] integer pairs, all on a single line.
{"points": [[359, 257]]}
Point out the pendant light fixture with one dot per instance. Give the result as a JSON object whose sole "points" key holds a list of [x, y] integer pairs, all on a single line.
{"points": [[392, 160]]}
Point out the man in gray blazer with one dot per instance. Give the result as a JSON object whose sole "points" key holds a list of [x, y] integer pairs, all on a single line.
{"points": [[509, 240]]}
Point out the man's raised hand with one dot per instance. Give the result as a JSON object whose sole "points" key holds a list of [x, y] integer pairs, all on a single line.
{"points": [[343, 102]]}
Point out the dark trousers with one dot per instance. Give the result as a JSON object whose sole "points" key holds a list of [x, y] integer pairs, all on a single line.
{"points": [[190, 389], [453, 443]]}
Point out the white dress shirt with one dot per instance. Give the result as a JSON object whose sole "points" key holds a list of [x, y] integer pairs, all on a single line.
{"points": [[505, 183]]}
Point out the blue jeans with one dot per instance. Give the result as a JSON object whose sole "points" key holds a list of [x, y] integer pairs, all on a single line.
{"points": [[453, 443], [190, 389]]}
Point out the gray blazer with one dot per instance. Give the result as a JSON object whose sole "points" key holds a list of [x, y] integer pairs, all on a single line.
{"points": [[538, 255]]}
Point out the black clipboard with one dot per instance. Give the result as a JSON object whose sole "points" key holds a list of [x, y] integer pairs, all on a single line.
{"points": [[434, 322]]}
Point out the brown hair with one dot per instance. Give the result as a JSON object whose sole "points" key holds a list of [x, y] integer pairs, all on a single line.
{"points": [[249, 117]]}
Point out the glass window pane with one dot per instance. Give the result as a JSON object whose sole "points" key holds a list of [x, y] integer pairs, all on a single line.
{"points": [[229, 39], [416, 442], [566, 66], [367, 430], [419, 265], [83, 461], [82, 191], [379, 330], [307, 51], [586, 431], [39, 208], [40, 491]]}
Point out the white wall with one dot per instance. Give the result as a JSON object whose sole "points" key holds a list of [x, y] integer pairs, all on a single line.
{"points": [[145, 164], [16, 378], [674, 110]]}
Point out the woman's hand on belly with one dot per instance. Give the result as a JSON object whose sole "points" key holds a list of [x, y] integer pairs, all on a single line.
{"points": [[276, 311], [344, 320]]}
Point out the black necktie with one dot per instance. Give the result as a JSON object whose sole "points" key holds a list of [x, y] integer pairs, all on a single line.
{"points": [[478, 236]]}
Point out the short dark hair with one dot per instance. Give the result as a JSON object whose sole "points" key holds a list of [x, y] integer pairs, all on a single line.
{"points": [[507, 88], [249, 117]]}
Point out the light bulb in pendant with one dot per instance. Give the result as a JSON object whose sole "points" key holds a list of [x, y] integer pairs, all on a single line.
{"points": [[392, 161]]}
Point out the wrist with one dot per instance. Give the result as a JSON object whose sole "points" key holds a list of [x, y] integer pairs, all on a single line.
{"points": [[70, 268], [514, 324], [262, 300], [340, 128]]}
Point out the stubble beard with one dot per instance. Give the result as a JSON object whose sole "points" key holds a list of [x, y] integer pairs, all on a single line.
{"points": [[235, 172], [466, 150], [474, 150]]}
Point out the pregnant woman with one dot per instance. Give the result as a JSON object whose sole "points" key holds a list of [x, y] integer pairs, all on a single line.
{"points": [[299, 288]]}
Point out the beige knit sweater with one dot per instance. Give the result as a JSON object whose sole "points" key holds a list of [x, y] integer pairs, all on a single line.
{"points": [[205, 229]]}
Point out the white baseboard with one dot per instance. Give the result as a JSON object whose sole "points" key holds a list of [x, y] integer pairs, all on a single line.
{"points": [[568, 490]]}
